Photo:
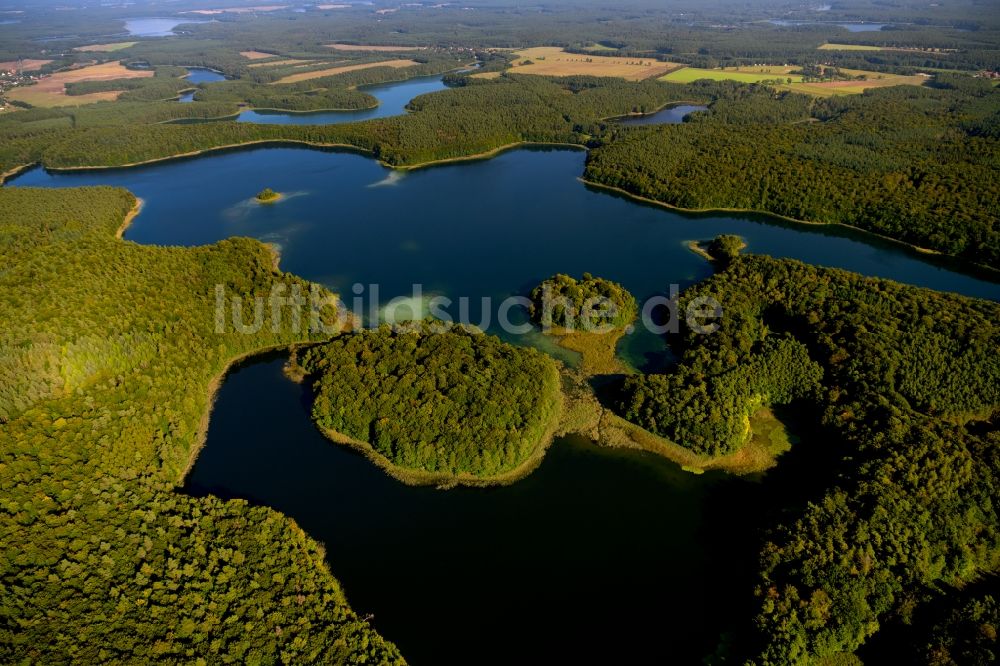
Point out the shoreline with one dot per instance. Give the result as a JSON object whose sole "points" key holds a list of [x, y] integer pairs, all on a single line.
{"points": [[812, 223], [961, 261], [668, 105], [477, 157], [16, 171], [214, 385], [131, 215], [695, 246]]}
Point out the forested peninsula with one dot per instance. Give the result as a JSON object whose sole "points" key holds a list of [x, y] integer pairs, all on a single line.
{"points": [[907, 383], [102, 409]]}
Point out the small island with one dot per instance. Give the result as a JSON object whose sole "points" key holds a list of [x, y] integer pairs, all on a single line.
{"points": [[267, 195], [436, 407], [588, 316], [720, 250]]}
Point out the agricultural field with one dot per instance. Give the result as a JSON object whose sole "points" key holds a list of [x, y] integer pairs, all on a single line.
{"points": [[320, 73], [868, 47], [554, 61], [372, 47], [849, 47], [256, 55], [51, 90], [741, 74], [281, 63], [871, 80], [27, 65], [105, 48], [765, 73]]}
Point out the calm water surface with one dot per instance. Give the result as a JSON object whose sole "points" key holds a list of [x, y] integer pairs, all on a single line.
{"points": [[392, 97], [197, 75], [600, 556], [155, 27], [203, 75], [851, 27], [668, 116]]}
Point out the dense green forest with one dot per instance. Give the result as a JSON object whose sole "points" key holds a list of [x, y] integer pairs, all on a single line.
{"points": [[455, 403], [107, 355], [459, 122], [916, 164], [907, 381], [588, 304], [912, 163]]}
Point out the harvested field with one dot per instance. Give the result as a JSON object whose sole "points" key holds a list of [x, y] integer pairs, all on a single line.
{"points": [[105, 48], [280, 63], [26, 65], [257, 55], [554, 61], [332, 71], [372, 47], [51, 90]]}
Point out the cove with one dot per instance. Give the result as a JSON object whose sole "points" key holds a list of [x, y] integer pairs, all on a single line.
{"points": [[392, 100], [156, 27], [197, 75], [668, 116], [600, 555]]}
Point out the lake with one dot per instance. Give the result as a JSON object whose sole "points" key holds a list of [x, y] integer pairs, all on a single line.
{"points": [[392, 97], [599, 556], [392, 100], [850, 27], [155, 27], [198, 75], [667, 116]]}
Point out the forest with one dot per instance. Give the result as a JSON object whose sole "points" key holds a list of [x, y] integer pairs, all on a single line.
{"points": [[914, 164], [907, 383], [454, 403], [109, 359], [107, 356], [590, 303]]}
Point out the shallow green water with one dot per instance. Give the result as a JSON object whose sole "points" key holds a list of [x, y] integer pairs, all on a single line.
{"points": [[600, 556]]}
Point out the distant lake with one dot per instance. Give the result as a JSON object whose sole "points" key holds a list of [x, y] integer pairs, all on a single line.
{"points": [[203, 75], [392, 97], [668, 116], [602, 555], [199, 75], [155, 27], [851, 27]]}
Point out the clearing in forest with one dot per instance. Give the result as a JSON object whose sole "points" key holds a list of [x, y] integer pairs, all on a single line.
{"points": [[257, 55], [554, 61], [320, 73], [372, 47], [105, 48], [26, 65], [51, 90]]}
